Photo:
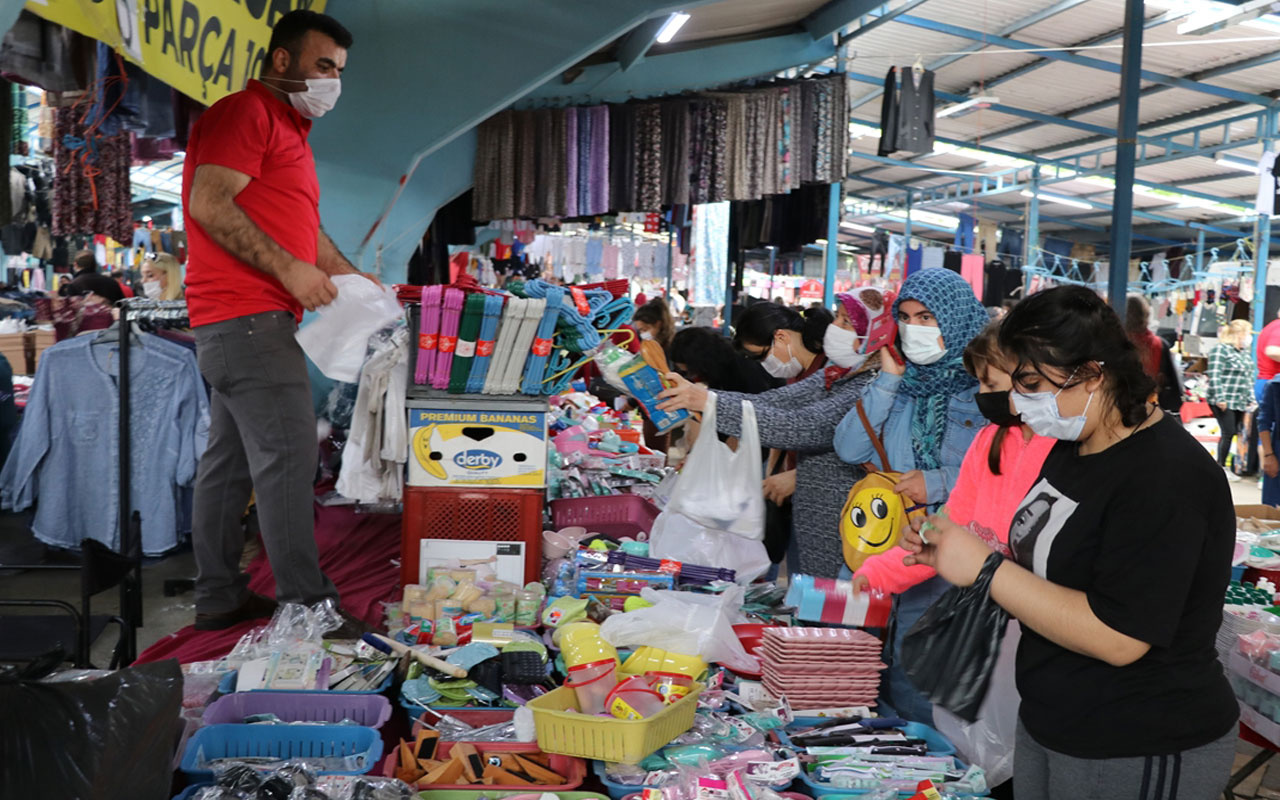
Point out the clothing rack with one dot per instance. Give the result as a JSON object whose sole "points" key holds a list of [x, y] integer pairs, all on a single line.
{"points": [[171, 313]]}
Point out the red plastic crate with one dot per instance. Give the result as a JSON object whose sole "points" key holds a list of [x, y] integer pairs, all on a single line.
{"points": [[473, 514]]}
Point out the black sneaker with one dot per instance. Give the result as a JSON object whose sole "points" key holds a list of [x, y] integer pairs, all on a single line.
{"points": [[256, 607]]}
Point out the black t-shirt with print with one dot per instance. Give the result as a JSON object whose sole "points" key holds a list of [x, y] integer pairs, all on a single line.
{"points": [[1146, 530]]}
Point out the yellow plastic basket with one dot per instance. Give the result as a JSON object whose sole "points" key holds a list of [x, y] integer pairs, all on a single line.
{"points": [[561, 729]]}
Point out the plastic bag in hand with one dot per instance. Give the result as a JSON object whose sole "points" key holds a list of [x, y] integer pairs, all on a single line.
{"points": [[719, 488], [686, 623], [951, 651], [336, 340], [989, 741]]}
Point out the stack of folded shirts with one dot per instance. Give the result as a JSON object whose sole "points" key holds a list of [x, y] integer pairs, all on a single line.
{"points": [[817, 667]]}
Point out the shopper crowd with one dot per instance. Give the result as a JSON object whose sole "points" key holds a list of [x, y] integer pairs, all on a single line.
{"points": [[1044, 445]]}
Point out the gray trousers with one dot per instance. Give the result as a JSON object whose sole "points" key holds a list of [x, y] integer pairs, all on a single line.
{"points": [[262, 436], [1198, 774]]}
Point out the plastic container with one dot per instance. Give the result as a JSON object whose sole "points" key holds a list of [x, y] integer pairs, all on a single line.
{"points": [[592, 684], [563, 729], [634, 698], [581, 643], [651, 659], [938, 744], [528, 604], [364, 745], [574, 770], [370, 710], [228, 686], [671, 685], [616, 515]]}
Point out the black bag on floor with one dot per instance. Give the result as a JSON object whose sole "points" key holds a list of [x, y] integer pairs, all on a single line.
{"points": [[951, 651], [104, 739]]}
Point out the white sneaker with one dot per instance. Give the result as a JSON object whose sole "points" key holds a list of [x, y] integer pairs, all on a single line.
{"points": [[1231, 476]]}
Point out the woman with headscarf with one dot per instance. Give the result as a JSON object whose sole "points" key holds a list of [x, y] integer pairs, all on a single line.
{"points": [[926, 416]]}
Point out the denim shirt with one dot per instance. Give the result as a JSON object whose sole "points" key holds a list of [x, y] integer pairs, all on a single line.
{"points": [[890, 413], [65, 458]]}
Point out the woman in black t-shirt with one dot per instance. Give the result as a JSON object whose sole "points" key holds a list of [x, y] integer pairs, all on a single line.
{"points": [[1123, 552]]}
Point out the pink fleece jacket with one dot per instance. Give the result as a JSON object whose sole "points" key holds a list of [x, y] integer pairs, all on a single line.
{"points": [[980, 501]]}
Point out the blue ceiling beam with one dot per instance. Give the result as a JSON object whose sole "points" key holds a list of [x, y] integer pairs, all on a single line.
{"points": [[672, 73], [635, 44], [872, 21], [1105, 38], [1083, 61], [1012, 28], [1225, 69], [835, 15]]}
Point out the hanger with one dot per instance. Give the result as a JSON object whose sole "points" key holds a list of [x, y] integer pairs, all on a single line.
{"points": [[918, 67]]}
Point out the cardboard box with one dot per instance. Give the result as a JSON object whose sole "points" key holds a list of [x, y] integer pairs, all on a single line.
{"points": [[14, 349], [459, 445], [1259, 512]]}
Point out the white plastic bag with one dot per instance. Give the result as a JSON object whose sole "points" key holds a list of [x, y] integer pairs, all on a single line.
{"points": [[989, 741], [677, 537], [687, 623], [336, 340], [718, 488]]}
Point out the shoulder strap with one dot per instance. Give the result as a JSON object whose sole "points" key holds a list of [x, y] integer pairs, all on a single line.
{"points": [[875, 439]]}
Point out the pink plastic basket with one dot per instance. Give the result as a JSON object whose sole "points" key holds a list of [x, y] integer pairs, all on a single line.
{"points": [[614, 515]]}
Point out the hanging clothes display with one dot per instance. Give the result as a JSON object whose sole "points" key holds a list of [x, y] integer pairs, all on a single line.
{"points": [[64, 458], [907, 114], [643, 156], [710, 253]]}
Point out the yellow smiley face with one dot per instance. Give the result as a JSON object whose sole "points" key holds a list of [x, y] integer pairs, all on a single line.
{"points": [[872, 519]]}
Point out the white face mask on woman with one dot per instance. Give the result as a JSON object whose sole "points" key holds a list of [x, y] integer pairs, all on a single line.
{"points": [[781, 369], [1040, 412], [920, 343], [841, 347], [152, 289]]}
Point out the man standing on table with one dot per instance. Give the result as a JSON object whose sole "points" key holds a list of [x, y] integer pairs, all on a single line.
{"points": [[258, 258]]}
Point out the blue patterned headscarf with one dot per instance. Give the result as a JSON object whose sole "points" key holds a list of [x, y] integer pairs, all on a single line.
{"points": [[961, 318]]}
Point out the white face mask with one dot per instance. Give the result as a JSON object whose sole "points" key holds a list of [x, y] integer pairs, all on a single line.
{"points": [[1039, 411], [920, 343], [841, 347], [152, 289], [320, 96], [646, 336], [779, 368]]}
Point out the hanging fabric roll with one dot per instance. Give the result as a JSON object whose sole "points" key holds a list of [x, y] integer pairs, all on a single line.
{"points": [[485, 343], [648, 157], [428, 333], [468, 333]]}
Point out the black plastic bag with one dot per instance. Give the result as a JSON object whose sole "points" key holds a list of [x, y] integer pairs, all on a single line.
{"points": [[102, 739], [951, 651]]}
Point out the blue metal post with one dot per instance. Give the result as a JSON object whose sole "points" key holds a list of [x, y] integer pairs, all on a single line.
{"points": [[1032, 233], [835, 208], [773, 262], [1126, 154], [906, 229], [671, 265], [1262, 242], [1200, 252]]}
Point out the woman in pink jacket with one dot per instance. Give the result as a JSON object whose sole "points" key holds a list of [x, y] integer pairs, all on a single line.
{"points": [[998, 471]]}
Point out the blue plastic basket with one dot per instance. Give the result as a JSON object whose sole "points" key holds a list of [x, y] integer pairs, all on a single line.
{"points": [[617, 791], [820, 789], [938, 744], [228, 686], [282, 742]]}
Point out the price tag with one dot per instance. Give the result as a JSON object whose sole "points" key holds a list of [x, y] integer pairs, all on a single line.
{"points": [[466, 349]]}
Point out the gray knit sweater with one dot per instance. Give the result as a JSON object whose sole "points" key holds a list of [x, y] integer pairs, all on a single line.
{"points": [[803, 417]]}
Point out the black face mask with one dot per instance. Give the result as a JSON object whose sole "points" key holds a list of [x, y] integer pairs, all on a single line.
{"points": [[995, 407]]}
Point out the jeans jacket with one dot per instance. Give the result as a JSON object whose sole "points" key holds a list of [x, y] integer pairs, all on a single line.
{"points": [[890, 413]]}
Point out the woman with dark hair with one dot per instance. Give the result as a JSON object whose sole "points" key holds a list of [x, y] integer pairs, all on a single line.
{"points": [[705, 356], [787, 343], [802, 417], [1118, 582], [653, 321]]}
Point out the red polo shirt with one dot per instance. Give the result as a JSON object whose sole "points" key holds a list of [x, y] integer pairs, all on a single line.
{"points": [[255, 133], [1268, 367]]}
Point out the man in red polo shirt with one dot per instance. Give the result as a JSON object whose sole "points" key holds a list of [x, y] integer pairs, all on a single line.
{"points": [[258, 257]]}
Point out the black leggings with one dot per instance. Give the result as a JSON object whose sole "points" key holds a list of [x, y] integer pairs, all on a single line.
{"points": [[1229, 422]]}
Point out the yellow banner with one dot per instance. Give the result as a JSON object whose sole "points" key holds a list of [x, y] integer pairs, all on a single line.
{"points": [[205, 49]]}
